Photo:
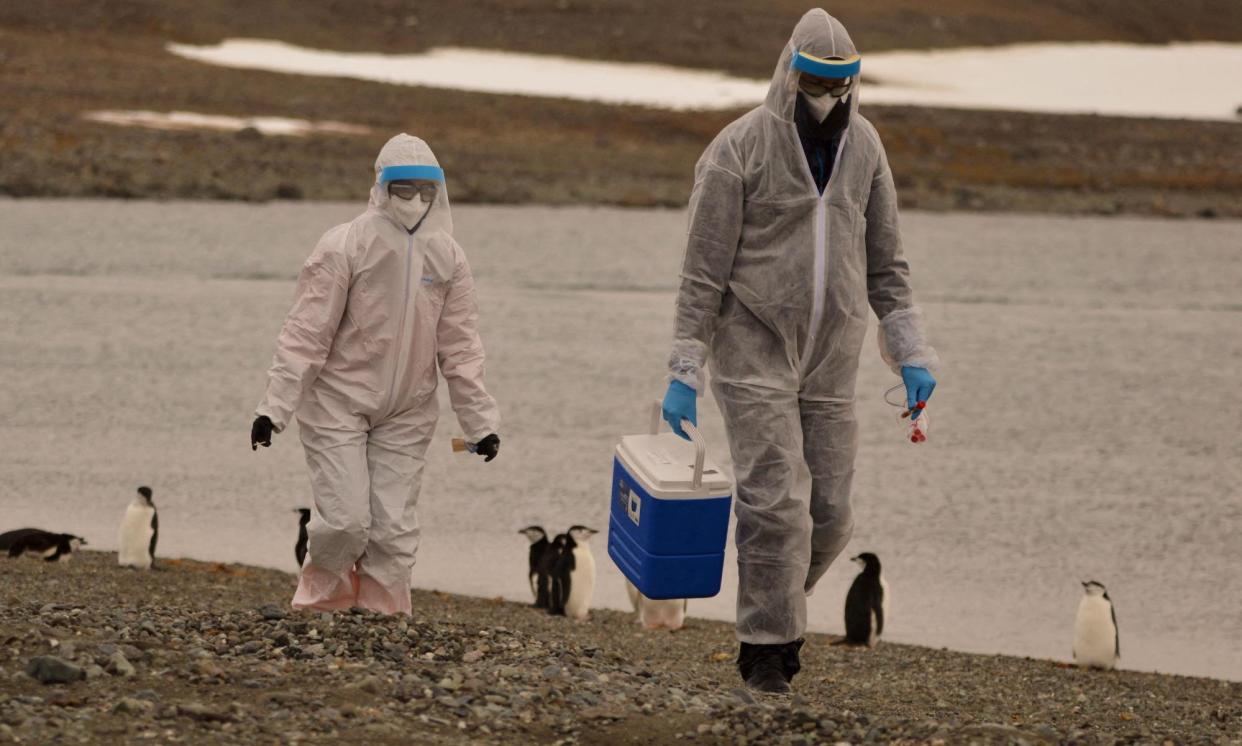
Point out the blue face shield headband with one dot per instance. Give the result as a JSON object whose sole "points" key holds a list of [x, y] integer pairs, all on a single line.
{"points": [[403, 173], [824, 68]]}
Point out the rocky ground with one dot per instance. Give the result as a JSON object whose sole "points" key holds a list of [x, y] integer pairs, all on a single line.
{"points": [[61, 60], [207, 653]]}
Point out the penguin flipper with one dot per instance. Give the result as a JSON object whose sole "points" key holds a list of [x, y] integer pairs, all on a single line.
{"points": [[1116, 630], [155, 535], [879, 617]]}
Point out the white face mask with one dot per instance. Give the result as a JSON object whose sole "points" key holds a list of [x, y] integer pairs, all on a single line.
{"points": [[821, 105], [409, 211]]}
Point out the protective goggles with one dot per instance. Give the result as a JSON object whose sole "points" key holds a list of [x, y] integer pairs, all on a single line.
{"points": [[826, 75], [407, 181], [406, 189]]}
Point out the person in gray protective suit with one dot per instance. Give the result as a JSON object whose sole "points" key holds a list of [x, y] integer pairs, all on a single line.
{"points": [[793, 232]]}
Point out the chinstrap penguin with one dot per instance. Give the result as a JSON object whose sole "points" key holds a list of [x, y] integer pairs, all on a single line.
{"points": [[866, 603], [653, 613], [140, 529], [1097, 643], [36, 542], [573, 573], [299, 549], [539, 568], [561, 560]]}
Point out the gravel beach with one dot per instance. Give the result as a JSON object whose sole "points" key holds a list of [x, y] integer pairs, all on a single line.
{"points": [[209, 653]]}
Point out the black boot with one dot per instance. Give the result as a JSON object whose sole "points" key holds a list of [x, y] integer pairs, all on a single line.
{"points": [[769, 668]]}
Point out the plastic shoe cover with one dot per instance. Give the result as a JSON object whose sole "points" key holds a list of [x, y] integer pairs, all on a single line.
{"points": [[769, 668]]}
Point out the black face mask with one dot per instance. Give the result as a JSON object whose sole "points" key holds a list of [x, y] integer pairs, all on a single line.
{"points": [[832, 125]]}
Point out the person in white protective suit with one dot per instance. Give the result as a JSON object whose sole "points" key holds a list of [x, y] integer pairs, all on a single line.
{"points": [[382, 302], [793, 232]]}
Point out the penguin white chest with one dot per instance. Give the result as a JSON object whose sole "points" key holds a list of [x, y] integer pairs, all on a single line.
{"points": [[135, 536], [581, 583], [1095, 634]]}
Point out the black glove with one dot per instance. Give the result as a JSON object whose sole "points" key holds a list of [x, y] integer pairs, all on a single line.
{"points": [[489, 447], [260, 433]]}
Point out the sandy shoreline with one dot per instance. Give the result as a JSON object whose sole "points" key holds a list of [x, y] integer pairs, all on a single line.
{"points": [[210, 653]]}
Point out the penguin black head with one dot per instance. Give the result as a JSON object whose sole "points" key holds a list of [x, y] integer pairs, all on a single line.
{"points": [[1094, 588], [534, 533], [69, 542], [305, 515], [867, 561], [146, 495], [581, 534]]}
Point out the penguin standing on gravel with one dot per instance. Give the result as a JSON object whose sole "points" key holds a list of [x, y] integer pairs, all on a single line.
{"points": [[561, 564], [299, 549], [581, 582], [140, 528], [573, 573], [35, 541], [1096, 641], [539, 564], [866, 604]]}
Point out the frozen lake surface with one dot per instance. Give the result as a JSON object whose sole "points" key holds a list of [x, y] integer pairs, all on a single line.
{"points": [[1179, 81], [1085, 426]]}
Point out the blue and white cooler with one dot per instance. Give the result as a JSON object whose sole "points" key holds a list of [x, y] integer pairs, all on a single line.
{"points": [[670, 513]]}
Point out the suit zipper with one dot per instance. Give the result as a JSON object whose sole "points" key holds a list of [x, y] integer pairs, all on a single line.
{"points": [[821, 252], [405, 309]]}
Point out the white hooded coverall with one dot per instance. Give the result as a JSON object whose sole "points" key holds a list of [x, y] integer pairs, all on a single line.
{"points": [[775, 287], [377, 309]]}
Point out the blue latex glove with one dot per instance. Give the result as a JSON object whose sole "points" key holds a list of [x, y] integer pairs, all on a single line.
{"points": [[919, 387], [679, 404]]}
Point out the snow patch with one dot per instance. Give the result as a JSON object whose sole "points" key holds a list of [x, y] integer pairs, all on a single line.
{"points": [[1178, 81], [185, 120]]}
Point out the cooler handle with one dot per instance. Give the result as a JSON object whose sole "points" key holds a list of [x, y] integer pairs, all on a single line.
{"points": [[700, 445]]}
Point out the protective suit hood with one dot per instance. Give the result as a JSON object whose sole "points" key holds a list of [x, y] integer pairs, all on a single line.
{"points": [[822, 36], [407, 150]]}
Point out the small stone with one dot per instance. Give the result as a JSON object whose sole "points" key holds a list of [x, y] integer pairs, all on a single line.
{"points": [[370, 685], [133, 706], [472, 657], [94, 672], [197, 711], [252, 647], [272, 612], [48, 669], [205, 667], [119, 665]]}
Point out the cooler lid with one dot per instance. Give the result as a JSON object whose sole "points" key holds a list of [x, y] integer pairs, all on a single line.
{"points": [[666, 463]]}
